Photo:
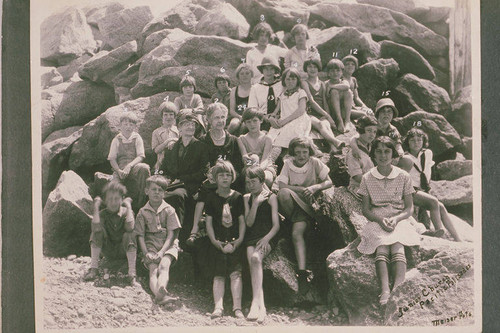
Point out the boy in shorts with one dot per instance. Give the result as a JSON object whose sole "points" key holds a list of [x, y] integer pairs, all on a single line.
{"points": [[112, 231], [157, 229]]}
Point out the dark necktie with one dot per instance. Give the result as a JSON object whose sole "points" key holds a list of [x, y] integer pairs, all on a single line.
{"points": [[271, 100], [424, 182]]}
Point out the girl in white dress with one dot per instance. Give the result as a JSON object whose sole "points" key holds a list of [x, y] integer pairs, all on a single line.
{"points": [[290, 119], [388, 203]]}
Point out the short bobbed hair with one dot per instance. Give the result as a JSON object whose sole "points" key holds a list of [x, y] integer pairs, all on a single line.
{"points": [[292, 72], [168, 106], [255, 172], [222, 77], [415, 132], [260, 28], [187, 80], [220, 167], [365, 122], [241, 67], [158, 180], [114, 186], [298, 28], [129, 115], [334, 64], [303, 142], [251, 113], [386, 141]]}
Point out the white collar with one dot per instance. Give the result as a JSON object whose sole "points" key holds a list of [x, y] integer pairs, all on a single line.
{"points": [[162, 206], [132, 137], [394, 173]]}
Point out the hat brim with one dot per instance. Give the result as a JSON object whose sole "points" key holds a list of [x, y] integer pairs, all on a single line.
{"points": [[261, 68], [395, 112]]}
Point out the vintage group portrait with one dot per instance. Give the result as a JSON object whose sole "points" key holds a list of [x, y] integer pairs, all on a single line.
{"points": [[256, 165]]}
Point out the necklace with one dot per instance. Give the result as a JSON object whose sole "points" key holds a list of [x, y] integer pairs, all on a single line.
{"points": [[217, 139]]}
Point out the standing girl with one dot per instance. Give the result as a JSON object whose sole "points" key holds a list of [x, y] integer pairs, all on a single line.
{"points": [[418, 162], [226, 230], [262, 221], [238, 100], [297, 55], [300, 179], [388, 204], [290, 119]]}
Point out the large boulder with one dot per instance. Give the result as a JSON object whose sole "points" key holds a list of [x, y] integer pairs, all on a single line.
{"points": [[281, 15], [124, 81], [345, 40], [412, 93], [96, 12], [375, 78], [65, 36], [399, 6], [453, 192], [443, 138], [466, 148], [460, 114], [382, 23], [50, 77], [126, 25], [223, 20], [409, 60], [73, 103], [353, 284], [55, 156], [105, 66], [434, 17], [453, 169], [91, 151], [68, 71], [185, 16], [66, 218], [180, 49], [154, 40]]}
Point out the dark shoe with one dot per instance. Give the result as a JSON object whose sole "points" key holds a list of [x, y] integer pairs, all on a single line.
{"points": [[304, 277], [91, 275], [434, 233]]}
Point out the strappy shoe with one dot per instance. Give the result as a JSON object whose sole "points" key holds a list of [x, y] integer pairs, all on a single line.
{"points": [[434, 233], [384, 297]]}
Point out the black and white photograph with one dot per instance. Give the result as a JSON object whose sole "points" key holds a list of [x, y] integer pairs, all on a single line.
{"points": [[256, 165]]}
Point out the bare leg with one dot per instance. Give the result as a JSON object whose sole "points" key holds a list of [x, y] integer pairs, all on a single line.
{"points": [[323, 127], [285, 202], [198, 212], [255, 261], [299, 244], [164, 271], [448, 223], [430, 203], [346, 97], [335, 101], [269, 179], [236, 289], [218, 291], [153, 279]]}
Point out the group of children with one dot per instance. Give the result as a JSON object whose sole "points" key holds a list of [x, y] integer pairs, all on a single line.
{"points": [[204, 170]]}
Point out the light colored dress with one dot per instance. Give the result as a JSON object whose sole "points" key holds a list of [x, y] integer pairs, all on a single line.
{"points": [[311, 173], [386, 197], [300, 126], [296, 58]]}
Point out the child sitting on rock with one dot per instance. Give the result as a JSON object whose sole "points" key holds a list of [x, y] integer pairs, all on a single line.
{"points": [[388, 203], [338, 95], [157, 228], [262, 221], [257, 142], [366, 126], [166, 135], [188, 100], [226, 230], [359, 108], [418, 163], [301, 178], [222, 83], [289, 120], [125, 156], [112, 231]]}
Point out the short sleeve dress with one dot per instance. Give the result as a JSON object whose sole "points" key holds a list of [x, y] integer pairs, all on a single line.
{"points": [[386, 197], [225, 213], [300, 126], [313, 172]]}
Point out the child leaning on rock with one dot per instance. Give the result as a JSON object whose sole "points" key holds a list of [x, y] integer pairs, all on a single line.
{"points": [[157, 229], [126, 154], [112, 231]]}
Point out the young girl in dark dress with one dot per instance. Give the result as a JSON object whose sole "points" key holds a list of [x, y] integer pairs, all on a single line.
{"points": [[225, 228]]}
